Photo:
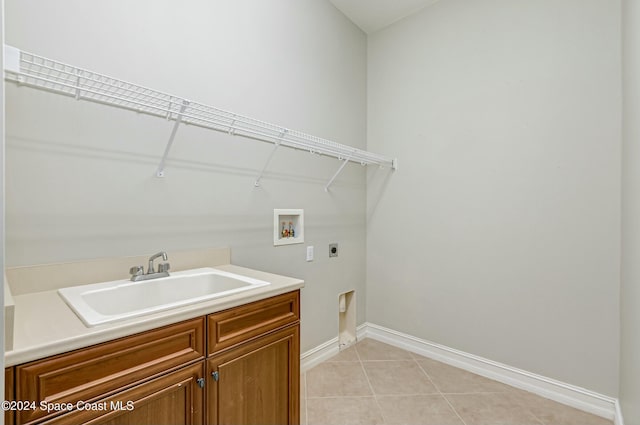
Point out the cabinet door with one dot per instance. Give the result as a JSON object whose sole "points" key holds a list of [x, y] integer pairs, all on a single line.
{"points": [[257, 382], [174, 399], [8, 394]]}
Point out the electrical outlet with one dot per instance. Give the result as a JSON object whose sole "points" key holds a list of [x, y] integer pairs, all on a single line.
{"points": [[310, 253], [333, 250]]}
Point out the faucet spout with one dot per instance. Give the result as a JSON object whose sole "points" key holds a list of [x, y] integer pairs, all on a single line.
{"points": [[162, 254], [138, 274]]}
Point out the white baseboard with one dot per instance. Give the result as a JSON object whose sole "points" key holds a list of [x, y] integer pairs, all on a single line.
{"points": [[561, 392], [325, 351], [618, 419], [317, 355], [571, 395]]}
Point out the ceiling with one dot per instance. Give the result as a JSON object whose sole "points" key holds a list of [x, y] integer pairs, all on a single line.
{"points": [[372, 15]]}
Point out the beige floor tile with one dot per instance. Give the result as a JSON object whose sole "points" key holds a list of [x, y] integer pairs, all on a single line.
{"points": [[339, 391], [370, 349], [303, 385], [491, 409], [398, 377], [348, 355], [417, 410], [451, 379], [332, 379], [551, 413], [343, 411], [303, 399], [303, 411]]}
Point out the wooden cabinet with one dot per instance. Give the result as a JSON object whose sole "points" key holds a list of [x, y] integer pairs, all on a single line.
{"points": [[256, 383], [253, 366], [158, 377], [8, 394]]}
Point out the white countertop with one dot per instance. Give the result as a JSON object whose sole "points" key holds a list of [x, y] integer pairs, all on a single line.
{"points": [[44, 325]]}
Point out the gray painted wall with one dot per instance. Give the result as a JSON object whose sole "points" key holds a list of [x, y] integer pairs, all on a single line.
{"points": [[81, 177], [630, 291], [500, 234]]}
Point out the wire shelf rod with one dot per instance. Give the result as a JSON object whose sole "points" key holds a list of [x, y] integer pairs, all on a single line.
{"points": [[293, 140], [71, 81], [142, 106], [151, 100], [162, 107], [73, 86], [93, 77], [57, 77]]}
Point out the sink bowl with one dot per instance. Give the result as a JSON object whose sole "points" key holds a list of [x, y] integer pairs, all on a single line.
{"points": [[106, 302]]}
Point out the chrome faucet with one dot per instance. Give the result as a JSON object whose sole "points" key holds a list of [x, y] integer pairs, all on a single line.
{"points": [[153, 257], [138, 274]]}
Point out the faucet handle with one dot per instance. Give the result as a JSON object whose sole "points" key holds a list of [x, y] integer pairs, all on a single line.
{"points": [[136, 270], [163, 267]]}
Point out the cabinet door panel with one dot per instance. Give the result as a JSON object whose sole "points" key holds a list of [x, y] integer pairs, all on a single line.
{"points": [[258, 382], [174, 399]]}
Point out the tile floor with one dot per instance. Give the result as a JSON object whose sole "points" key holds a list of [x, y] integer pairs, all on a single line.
{"points": [[374, 383]]}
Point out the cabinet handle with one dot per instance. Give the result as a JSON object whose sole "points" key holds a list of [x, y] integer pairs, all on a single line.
{"points": [[215, 376], [200, 382]]}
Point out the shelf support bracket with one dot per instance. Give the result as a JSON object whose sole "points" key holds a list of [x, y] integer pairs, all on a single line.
{"points": [[273, 151], [344, 164], [11, 59], [160, 170]]}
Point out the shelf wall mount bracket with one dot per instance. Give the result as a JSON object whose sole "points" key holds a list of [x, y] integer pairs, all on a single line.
{"points": [[278, 141], [11, 59], [183, 107], [344, 164]]}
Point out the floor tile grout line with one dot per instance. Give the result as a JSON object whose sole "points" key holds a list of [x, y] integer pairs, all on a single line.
{"points": [[440, 392], [524, 408], [376, 395], [453, 408], [388, 360], [341, 396], [355, 348], [533, 415], [384, 418], [407, 394], [538, 419], [428, 376], [474, 392]]}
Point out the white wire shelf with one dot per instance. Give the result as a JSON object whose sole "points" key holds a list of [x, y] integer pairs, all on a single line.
{"points": [[31, 70]]}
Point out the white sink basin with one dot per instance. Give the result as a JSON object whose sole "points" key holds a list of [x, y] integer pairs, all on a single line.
{"points": [[106, 302]]}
